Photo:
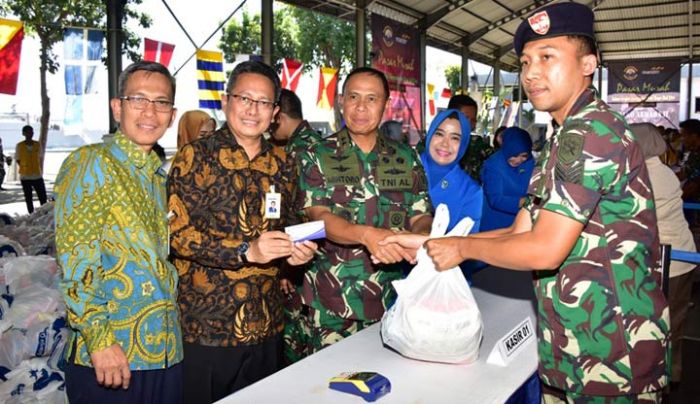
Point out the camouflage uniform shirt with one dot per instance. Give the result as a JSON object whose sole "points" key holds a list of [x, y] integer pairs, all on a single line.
{"points": [[603, 322], [383, 188], [479, 151], [303, 137]]}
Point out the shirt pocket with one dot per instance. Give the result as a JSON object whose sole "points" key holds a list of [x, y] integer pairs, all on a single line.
{"points": [[394, 210]]}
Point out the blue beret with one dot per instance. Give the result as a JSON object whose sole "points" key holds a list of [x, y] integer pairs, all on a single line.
{"points": [[557, 19]]}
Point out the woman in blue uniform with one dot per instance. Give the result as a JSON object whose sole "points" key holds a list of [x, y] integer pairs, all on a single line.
{"points": [[505, 177], [447, 142]]}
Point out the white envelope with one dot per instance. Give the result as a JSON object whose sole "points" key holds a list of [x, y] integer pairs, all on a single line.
{"points": [[306, 231]]}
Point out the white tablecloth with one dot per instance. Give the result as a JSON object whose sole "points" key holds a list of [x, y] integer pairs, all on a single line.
{"points": [[505, 298]]}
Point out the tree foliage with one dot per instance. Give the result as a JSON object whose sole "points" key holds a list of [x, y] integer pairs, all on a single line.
{"points": [[46, 19], [244, 37], [453, 75], [323, 41]]}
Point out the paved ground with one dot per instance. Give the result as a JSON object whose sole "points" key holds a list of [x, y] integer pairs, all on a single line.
{"points": [[12, 198]]}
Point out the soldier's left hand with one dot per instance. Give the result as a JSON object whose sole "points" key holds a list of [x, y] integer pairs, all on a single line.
{"points": [[302, 253], [445, 252]]}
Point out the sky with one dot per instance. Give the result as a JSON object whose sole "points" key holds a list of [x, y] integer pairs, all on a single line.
{"points": [[200, 21]]}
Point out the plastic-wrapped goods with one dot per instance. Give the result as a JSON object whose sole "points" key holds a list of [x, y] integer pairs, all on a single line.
{"points": [[30, 271], [32, 331], [34, 232], [435, 317], [33, 381], [34, 304], [10, 247], [45, 338]]}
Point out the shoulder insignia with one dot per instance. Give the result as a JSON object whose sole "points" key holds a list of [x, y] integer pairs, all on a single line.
{"points": [[570, 147]]}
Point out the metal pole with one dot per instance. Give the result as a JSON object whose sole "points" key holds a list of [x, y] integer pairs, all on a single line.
{"points": [[690, 60], [600, 80], [267, 27], [115, 11], [465, 65], [689, 104], [496, 94], [360, 20]]}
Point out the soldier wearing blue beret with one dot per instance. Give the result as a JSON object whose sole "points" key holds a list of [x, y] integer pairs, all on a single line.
{"points": [[587, 229]]}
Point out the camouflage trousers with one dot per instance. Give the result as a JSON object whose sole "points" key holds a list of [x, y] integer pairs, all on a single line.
{"points": [[326, 329], [296, 329], [555, 396]]}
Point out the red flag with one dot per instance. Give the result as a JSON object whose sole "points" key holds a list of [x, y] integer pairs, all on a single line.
{"points": [[156, 51], [291, 72], [431, 100], [11, 34], [326, 87], [446, 93]]}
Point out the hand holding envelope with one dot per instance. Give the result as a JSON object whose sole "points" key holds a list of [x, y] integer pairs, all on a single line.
{"points": [[301, 235]]}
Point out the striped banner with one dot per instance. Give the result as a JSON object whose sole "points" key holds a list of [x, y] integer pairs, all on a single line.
{"points": [[210, 78], [326, 87]]}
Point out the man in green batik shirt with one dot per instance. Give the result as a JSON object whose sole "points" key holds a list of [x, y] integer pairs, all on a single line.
{"points": [[112, 247], [365, 187], [588, 229]]}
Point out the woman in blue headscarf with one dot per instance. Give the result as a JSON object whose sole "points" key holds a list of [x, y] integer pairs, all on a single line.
{"points": [[446, 143], [505, 177]]}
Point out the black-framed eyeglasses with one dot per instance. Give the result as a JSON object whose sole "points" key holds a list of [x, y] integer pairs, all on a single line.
{"points": [[140, 103], [247, 101]]}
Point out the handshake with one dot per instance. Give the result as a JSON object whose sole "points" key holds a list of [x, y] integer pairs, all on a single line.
{"points": [[389, 247]]}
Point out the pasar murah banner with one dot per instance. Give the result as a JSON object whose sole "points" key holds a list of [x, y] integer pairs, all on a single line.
{"points": [[395, 51], [646, 90]]}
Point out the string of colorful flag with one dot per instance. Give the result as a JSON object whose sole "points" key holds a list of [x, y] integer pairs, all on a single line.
{"points": [[83, 50]]}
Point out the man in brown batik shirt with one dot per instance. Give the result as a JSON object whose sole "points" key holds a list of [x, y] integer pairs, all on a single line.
{"points": [[227, 244]]}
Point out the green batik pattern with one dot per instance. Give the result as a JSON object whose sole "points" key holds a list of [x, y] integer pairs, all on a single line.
{"points": [[111, 244]]}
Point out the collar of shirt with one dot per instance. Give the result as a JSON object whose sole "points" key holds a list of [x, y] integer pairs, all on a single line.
{"points": [[131, 153], [587, 96], [225, 137], [303, 126], [345, 142]]}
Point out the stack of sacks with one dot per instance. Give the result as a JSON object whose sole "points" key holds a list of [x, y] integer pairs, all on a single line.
{"points": [[34, 232], [33, 331]]}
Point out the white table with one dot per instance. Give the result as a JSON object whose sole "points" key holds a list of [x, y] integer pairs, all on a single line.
{"points": [[505, 298]]}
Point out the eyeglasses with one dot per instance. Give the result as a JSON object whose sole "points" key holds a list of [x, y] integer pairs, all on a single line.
{"points": [[246, 102], [141, 103]]}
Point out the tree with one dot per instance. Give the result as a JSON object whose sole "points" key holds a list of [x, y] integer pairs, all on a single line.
{"points": [[47, 19], [245, 37], [453, 74], [325, 40]]}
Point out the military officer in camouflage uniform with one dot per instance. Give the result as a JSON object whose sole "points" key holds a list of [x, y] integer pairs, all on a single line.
{"points": [[588, 229], [365, 187]]}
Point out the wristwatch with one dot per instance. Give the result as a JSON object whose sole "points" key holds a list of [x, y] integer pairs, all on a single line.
{"points": [[242, 251]]}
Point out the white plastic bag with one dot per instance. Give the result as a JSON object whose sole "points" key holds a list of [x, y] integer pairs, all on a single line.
{"points": [[435, 317]]}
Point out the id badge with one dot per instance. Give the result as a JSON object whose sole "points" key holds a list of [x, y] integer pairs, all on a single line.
{"points": [[273, 204]]}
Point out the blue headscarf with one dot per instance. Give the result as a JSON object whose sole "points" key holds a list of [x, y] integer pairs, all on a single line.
{"points": [[504, 185], [449, 184], [516, 141]]}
